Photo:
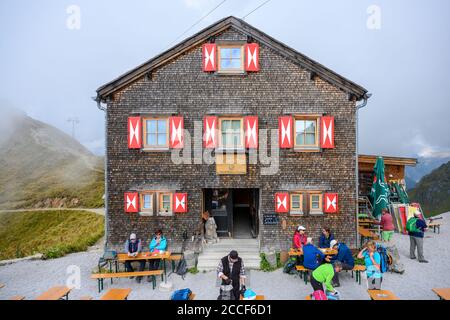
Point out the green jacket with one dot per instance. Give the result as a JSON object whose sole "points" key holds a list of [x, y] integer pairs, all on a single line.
{"points": [[324, 274]]}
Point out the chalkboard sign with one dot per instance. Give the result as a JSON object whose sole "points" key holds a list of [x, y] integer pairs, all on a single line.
{"points": [[270, 219]]}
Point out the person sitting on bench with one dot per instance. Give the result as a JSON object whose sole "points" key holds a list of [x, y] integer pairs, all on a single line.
{"points": [[325, 238], [312, 257], [344, 256], [133, 247], [157, 245]]}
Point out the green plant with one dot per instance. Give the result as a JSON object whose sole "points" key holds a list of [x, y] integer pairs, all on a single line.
{"points": [[265, 266], [193, 270]]}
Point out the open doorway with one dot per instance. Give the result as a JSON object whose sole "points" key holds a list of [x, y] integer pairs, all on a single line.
{"points": [[234, 210]]}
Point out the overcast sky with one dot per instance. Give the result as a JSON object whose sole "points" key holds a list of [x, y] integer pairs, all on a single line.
{"points": [[51, 71]]}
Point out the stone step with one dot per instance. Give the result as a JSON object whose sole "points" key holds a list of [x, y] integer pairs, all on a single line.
{"points": [[211, 264]]}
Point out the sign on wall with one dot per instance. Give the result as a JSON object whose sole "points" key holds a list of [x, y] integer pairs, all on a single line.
{"points": [[270, 219]]}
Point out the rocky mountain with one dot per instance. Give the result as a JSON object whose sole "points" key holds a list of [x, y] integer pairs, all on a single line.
{"points": [[424, 166], [41, 166], [433, 191]]}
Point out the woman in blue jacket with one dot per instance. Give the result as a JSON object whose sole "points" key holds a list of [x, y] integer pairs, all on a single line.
{"points": [[158, 244], [325, 238]]}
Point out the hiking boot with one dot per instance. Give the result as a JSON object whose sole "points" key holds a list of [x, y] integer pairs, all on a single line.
{"points": [[138, 279], [131, 277], [412, 258], [149, 278], [335, 285], [423, 261]]}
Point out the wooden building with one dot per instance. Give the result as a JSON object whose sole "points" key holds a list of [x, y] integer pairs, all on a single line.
{"points": [[231, 88]]}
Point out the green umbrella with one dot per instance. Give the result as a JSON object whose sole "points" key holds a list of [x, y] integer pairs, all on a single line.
{"points": [[379, 194], [402, 195]]}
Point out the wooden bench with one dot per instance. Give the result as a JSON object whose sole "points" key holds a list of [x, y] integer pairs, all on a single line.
{"points": [[192, 296], [86, 298], [258, 297], [17, 298], [382, 295], [173, 258], [304, 273], [442, 293], [435, 226], [116, 294], [101, 276], [308, 297], [358, 269], [55, 293]]}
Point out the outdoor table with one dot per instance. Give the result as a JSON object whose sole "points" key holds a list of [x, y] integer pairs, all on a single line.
{"points": [[116, 294], [55, 293], [443, 293], [123, 257], [365, 233], [325, 251], [382, 295]]}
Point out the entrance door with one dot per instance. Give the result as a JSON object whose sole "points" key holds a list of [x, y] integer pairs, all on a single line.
{"points": [[234, 210]]}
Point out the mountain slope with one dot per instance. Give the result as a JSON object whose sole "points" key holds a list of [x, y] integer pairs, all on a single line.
{"points": [[41, 166], [424, 166], [433, 191]]}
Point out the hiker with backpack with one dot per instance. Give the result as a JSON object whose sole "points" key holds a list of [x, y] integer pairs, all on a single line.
{"points": [[133, 247], [344, 256], [416, 228], [325, 238], [232, 273], [312, 257], [372, 259], [323, 275]]}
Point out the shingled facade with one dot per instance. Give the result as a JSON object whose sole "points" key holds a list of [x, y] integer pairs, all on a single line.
{"points": [[177, 85]]}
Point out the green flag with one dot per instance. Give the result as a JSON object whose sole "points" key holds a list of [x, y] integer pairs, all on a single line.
{"points": [[380, 191]]}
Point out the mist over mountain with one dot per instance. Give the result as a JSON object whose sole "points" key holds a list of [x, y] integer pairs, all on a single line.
{"points": [[41, 166], [424, 166]]}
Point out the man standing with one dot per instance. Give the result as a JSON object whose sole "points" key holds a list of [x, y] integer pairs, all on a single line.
{"points": [[416, 228], [133, 247], [231, 267]]}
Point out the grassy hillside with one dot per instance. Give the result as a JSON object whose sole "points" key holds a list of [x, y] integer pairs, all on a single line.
{"points": [[52, 233], [433, 191], [41, 166]]}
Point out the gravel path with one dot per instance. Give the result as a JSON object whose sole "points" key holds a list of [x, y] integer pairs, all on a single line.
{"points": [[30, 278]]}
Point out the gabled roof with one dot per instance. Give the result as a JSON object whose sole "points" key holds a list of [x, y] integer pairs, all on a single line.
{"points": [[242, 26]]}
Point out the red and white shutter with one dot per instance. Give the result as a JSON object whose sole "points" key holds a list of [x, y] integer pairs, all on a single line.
{"points": [[176, 129], [282, 202], [285, 132], [331, 202], [327, 132], [131, 202], [251, 132], [251, 57], [209, 57], [180, 202], [134, 132], [210, 132]]}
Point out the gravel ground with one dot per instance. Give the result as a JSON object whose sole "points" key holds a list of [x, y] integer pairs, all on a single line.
{"points": [[30, 278]]}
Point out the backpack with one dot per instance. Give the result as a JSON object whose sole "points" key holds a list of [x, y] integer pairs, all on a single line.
{"points": [[384, 258], [289, 266], [181, 269], [319, 295], [226, 292], [182, 294], [411, 225]]}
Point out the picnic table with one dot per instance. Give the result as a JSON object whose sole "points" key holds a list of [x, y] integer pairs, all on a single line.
{"points": [[123, 257], [56, 293], [116, 294], [435, 225], [382, 295], [299, 252], [442, 293], [366, 233]]}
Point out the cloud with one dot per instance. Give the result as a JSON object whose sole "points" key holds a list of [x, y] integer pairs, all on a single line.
{"points": [[424, 149], [197, 4], [97, 146]]}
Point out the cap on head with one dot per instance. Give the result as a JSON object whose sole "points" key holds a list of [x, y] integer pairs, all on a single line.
{"points": [[309, 240], [233, 254], [301, 228], [333, 243], [133, 236], [417, 214]]}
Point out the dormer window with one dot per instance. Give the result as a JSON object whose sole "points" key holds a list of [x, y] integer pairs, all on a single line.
{"points": [[231, 59]]}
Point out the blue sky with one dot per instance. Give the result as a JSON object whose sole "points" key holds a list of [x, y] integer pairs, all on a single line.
{"points": [[51, 71]]}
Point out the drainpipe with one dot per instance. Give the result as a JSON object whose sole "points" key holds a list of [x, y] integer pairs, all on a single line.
{"points": [[360, 106], [104, 108]]}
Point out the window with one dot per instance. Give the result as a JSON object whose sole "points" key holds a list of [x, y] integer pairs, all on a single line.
{"points": [[231, 59], [306, 133], [231, 133], [296, 203], [146, 203], [156, 132], [315, 203], [165, 203]]}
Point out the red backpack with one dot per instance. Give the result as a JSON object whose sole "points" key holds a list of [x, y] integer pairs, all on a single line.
{"points": [[319, 295]]}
